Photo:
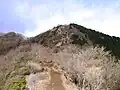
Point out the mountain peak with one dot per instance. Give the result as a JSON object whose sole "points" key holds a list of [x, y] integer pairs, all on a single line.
{"points": [[61, 35], [78, 35]]}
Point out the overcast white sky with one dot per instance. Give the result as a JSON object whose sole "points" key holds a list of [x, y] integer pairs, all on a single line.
{"points": [[31, 17]]}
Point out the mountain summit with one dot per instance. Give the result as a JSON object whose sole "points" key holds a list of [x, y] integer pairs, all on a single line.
{"points": [[78, 35]]}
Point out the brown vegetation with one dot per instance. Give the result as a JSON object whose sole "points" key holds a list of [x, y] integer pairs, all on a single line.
{"points": [[87, 66], [90, 68]]}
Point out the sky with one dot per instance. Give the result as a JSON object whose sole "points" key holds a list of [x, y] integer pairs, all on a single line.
{"points": [[32, 17]]}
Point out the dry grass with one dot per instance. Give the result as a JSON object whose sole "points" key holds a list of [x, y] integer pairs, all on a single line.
{"points": [[91, 68], [14, 62]]}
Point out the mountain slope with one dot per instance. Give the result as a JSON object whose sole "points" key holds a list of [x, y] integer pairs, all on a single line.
{"points": [[77, 34], [9, 41], [62, 35], [78, 61]]}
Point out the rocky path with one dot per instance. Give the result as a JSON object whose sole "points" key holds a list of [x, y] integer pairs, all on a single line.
{"points": [[47, 80], [55, 81]]}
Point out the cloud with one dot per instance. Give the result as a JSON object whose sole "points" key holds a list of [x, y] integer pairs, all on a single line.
{"points": [[8, 20], [45, 15]]}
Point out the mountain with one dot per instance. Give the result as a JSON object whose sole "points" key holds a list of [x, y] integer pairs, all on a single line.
{"points": [[1, 34], [66, 57], [78, 35], [65, 35], [9, 41]]}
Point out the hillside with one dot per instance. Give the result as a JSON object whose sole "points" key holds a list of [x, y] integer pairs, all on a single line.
{"points": [[77, 34], [10, 41], [1, 34], [64, 35], [66, 57]]}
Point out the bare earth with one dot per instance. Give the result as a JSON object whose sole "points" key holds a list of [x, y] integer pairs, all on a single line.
{"points": [[48, 80]]}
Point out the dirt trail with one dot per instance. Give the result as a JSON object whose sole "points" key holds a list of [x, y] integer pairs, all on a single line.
{"points": [[55, 81], [44, 81], [47, 80]]}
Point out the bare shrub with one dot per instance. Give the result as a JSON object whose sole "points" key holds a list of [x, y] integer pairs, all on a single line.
{"points": [[14, 63], [91, 68]]}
